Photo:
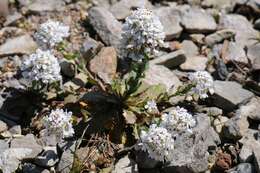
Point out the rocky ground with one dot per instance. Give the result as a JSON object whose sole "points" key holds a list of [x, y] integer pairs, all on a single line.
{"points": [[219, 36]]}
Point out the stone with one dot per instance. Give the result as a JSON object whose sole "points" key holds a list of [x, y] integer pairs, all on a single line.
{"points": [[197, 38], [219, 122], [253, 53], [76, 83], [170, 19], [157, 74], [105, 64], [228, 95], [90, 48], [48, 158], [257, 24], [227, 5], [256, 154], [13, 18], [3, 126], [66, 161], [212, 111], [68, 68], [16, 130], [106, 25], [255, 5], [27, 142], [4, 9], [11, 158], [196, 63], [170, 60], [197, 20], [219, 36], [40, 6], [243, 28], [19, 45], [189, 48], [242, 168], [125, 165], [123, 8], [3, 146], [251, 109]]}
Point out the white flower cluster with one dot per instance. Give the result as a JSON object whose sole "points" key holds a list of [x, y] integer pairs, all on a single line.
{"points": [[50, 33], [142, 35], [157, 142], [59, 122], [203, 84], [151, 106], [41, 66], [177, 121]]}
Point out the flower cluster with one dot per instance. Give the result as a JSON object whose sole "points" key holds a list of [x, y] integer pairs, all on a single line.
{"points": [[41, 66], [157, 142], [178, 120], [58, 122], [151, 106], [203, 84], [142, 35], [50, 33]]}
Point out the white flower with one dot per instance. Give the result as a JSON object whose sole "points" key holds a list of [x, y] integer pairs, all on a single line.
{"points": [[151, 106], [59, 122], [203, 82], [142, 35], [157, 142], [177, 121], [41, 66], [50, 33]]}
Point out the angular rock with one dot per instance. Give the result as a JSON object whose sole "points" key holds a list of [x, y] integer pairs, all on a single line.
{"points": [[228, 95], [3, 146], [48, 158], [212, 111], [19, 45], [243, 28], [189, 48], [105, 64], [3, 126], [16, 130], [79, 81], [123, 8], [219, 36], [39, 6], [196, 63], [227, 5], [256, 154], [11, 19], [196, 20], [106, 25], [66, 161], [170, 60], [242, 168], [170, 19], [253, 53], [125, 165], [4, 9], [251, 109], [90, 48]]}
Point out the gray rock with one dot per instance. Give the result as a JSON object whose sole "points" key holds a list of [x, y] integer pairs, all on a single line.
{"points": [[196, 63], [170, 19], [19, 45], [125, 165], [48, 158], [90, 48], [251, 109], [123, 8], [219, 36], [39, 6], [243, 28], [68, 68], [157, 74], [227, 5], [16, 130], [106, 25], [3, 146], [11, 19], [256, 154], [170, 60], [68, 149], [242, 168], [105, 64], [4, 9], [79, 81], [3, 126], [253, 53], [228, 95], [197, 38], [189, 48], [212, 111], [27, 142], [198, 21]]}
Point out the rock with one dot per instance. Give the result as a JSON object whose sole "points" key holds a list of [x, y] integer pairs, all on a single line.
{"points": [[255, 5], [170, 19], [242, 168], [48, 158], [189, 48], [3, 146], [13, 18], [157, 74], [28, 167], [256, 154], [219, 36], [27, 142], [243, 28], [125, 165], [39, 6], [212, 111], [68, 68], [197, 20], [123, 8], [227, 5], [196, 63], [19, 45], [170, 60], [106, 25], [3, 126], [253, 53], [105, 64], [251, 109], [228, 95], [90, 48], [257, 24], [197, 38], [16, 130], [66, 161], [4, 9], [79, 81], [11, 158], [219, 123]]}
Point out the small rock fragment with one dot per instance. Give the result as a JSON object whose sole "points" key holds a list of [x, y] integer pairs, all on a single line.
{"points": [[219, 36], [196, 63]]}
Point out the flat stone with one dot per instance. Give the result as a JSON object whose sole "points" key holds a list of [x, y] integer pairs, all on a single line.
{"points": [[242, 168], [106, 25], [11, 19], [67, 157], [253, 53], [219, 36], [228, 95], [123, 8], [251, 109], [198, 21], [189, 48], [4, 9], [227, 5], [170, 60], [39, 6], [170, 19], [3, 126], [125, 165], [19, 45], [3, 146], [16, 130], [196, 63], [105, 64]]}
